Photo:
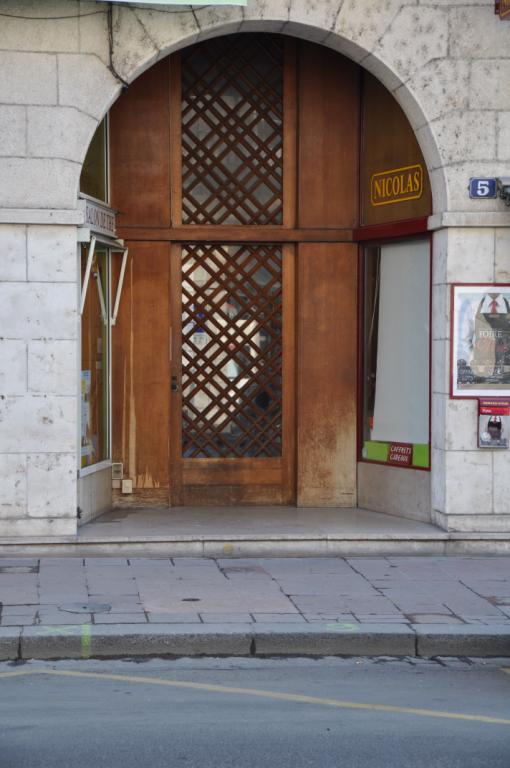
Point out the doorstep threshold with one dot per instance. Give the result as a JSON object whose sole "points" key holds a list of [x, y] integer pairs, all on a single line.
{"points": [[274, 545]]}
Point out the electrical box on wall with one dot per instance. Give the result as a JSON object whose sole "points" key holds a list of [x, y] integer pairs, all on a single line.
{"points": [[127, 486], [117, 470], [117, 475]]}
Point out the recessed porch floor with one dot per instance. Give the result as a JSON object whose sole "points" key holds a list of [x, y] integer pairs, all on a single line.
{"points": [[251, 522], [273, 531]]}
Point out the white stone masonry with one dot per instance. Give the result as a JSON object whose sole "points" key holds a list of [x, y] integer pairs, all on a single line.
{"points": [[447, 62]]}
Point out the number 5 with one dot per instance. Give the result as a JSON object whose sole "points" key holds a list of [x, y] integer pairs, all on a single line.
{"points": [[482, 187]]}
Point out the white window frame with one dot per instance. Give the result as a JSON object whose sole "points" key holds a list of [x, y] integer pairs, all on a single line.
{"points": [[118, 294], [86, 277], [112, 246]]}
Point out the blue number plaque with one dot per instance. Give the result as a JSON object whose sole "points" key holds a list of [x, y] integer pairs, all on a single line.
{"points": [[482, 188]]}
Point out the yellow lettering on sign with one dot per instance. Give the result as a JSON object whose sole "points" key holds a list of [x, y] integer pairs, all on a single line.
{"points": [[396, 185]]}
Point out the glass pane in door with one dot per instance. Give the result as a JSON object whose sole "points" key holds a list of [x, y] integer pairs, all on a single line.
{"points": [[231, 351]]}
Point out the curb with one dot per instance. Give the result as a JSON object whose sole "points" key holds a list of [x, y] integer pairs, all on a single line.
{"points": [[320, 639]]}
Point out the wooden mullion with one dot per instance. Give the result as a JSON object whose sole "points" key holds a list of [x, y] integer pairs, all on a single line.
{"points": [[226, 233], [290, 133], [289, 367], [175, 139], [175, 370]]}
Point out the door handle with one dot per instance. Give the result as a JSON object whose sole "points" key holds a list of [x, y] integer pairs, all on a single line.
{"points": [[174, 386]]}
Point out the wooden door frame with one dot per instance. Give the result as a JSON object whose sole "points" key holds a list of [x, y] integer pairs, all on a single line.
{"points": [[266, 474], [290, 234]]}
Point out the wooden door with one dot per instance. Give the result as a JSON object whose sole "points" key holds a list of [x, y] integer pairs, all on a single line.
{"points": [[238, 157], [232, 374]]}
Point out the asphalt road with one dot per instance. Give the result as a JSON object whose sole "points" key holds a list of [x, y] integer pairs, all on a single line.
{"points": [[243, 713]]}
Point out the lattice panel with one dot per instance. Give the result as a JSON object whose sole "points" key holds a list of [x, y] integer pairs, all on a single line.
{"points": [[231, 351], [232, 131]]}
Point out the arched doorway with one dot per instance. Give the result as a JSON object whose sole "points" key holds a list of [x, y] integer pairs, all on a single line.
{"points": [[237, 357]]}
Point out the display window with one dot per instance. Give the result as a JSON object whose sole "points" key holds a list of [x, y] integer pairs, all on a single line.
{"points": [[396, 352], [95, 350]]}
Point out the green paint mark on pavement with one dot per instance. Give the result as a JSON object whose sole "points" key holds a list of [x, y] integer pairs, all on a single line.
{"points": [[85, 641], [65, 629]]}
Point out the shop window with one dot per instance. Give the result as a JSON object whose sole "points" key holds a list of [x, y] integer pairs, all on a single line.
{"points": [[396, 353], [95, 349], [94, 174]]}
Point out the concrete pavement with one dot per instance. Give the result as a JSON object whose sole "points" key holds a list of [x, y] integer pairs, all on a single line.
{"points": [[112, 607]]}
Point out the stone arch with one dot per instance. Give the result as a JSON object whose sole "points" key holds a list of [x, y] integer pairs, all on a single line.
{"points": [[140, 40]]}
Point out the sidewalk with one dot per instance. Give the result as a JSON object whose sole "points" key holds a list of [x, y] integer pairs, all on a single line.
{"points": [[113, 607]]}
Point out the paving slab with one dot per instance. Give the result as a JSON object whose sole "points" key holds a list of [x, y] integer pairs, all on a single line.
{"points": [[174, 618], [290, 605]]}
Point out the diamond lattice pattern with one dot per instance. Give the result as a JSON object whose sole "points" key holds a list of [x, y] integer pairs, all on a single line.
{"points": [[231, 351], [232, 131]]}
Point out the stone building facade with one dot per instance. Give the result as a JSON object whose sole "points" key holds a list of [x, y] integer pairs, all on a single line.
{"points": [[447, 64]]}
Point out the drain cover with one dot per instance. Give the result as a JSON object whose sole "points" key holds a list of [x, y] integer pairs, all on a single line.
{"points": [[190, 600], [85, 607]]}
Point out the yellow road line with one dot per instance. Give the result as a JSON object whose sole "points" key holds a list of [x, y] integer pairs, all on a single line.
{"points": [[18, 673], [293, 697]]}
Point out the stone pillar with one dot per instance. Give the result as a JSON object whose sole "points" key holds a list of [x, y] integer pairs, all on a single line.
{"points": [[470, 487], [38, 379]]}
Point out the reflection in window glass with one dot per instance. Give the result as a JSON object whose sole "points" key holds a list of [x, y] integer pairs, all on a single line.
{"points": [[396, 353], [93, 179], [94, 360]]}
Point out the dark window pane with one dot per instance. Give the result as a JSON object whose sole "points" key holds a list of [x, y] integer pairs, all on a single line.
{"points": [[93, 179]]}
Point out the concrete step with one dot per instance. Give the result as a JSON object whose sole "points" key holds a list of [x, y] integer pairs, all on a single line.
{"points": [[262, 545], [256, 532]]}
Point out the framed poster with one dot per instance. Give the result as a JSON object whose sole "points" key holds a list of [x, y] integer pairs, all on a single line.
{"points": [[480, 340], [493, 422]]}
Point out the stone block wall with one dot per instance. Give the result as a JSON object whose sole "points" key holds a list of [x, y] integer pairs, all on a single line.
{"points": [[447, 62], [38, 379], [470, 487]]}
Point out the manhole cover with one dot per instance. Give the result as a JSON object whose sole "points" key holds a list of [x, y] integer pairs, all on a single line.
{"points": [[85, 607]]}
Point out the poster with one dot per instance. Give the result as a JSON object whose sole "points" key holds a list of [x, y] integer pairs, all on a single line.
{"points": [[480, 340], [493, 422], [86, 426]]}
